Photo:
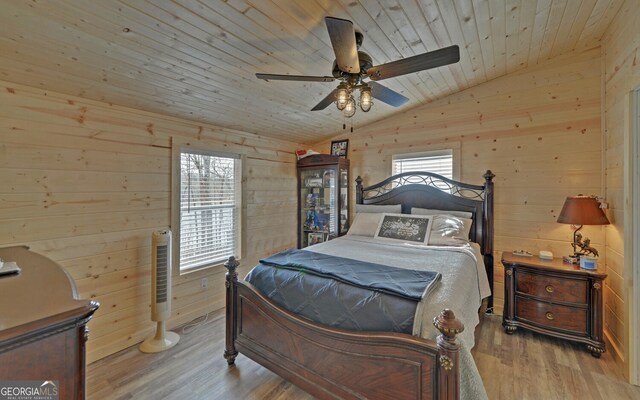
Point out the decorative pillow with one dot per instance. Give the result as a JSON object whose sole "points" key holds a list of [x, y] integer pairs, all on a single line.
{"points": [[365, 224], [449, 230], [429, 211], [405, 228], [375, 208]]}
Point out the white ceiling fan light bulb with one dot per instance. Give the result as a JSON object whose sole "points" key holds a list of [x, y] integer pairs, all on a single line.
{"points": [[350, 107], [342, 96], [365, 99]]}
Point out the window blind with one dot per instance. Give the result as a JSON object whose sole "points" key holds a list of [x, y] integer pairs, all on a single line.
{"points": [[209, 204], [440, 163]]}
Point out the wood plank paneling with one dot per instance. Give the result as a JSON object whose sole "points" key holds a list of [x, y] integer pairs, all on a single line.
{"points": [[621, 53], [537, 129], [197, 59], [86, 183]]}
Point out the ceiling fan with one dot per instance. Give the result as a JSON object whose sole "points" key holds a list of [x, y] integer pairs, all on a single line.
{"points": [[352, 67]]}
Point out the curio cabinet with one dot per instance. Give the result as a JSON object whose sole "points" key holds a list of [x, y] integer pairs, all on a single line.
{"points": [[323, 198]]}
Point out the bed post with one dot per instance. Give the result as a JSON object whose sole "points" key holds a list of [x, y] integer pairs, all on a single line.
{"points": [[231, 320], [488, 235], [359, 190], [448, 355]]}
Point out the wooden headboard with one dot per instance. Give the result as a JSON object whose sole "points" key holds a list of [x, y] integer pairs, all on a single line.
{"points": [[427, 190]]}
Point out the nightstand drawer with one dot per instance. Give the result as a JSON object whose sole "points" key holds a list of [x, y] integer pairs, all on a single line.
{"points": [[552, 288], [572, 319]]}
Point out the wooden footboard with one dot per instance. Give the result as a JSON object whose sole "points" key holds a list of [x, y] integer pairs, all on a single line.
{"points": [[338, 364]]}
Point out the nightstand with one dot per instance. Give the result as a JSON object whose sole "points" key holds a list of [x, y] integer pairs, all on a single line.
{"points": [[553, 298]]}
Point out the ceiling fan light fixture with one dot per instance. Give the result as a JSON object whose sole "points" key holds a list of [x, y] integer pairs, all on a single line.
{"points": [[366, 101], [350, 108], [342, 96]]}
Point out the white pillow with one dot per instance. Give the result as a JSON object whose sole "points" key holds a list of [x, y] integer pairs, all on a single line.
{"points": [[404, 228], [365, 224], [429, 211], [449, 230], [376, 208]]}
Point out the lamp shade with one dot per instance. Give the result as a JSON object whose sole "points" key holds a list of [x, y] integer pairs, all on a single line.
{"points": [[582, 210]]}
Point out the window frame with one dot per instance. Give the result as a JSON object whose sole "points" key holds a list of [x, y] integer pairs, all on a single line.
{"points": [[451, 148], [176, 179]]}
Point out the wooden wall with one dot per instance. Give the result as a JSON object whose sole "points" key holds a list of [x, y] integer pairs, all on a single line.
{"points": [[621, 59], [537, 129], [86, 183]]}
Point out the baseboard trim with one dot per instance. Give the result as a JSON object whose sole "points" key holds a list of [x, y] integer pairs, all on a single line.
{"points": [[617, 354]]}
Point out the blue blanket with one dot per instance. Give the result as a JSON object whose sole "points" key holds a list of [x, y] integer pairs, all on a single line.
{"points": [[342, 292], [405, 283]]}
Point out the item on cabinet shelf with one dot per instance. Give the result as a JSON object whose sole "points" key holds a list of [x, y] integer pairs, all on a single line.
{"points": [[313, 181], [555, 299], [587, 262], [311, 200], [522, 253], [570, 260], [309, 220], [579, 211], [322, 222], [315, 238], [545, 255], [326, 179]]}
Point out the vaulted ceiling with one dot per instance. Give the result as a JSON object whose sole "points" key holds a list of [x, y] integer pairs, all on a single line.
{"points": [[196, 59]]}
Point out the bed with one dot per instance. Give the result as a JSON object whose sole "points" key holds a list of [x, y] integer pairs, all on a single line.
{"points": [[334, 363]]}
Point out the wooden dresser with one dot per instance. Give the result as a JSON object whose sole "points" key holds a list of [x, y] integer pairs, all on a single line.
{"points": [[42, 324], [554, 298]]}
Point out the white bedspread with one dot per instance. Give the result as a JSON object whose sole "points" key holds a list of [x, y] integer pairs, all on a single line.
{"points": [[463, 285]]}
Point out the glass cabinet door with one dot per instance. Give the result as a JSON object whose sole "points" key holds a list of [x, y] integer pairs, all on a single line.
{"points": [[344, 201], [318, 199]]}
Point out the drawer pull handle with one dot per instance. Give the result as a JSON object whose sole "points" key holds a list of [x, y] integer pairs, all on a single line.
{"points": [[549, 289], [549, 316]]}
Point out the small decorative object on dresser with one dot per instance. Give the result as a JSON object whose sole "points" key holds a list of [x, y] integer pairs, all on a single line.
{"points": [[578, 211], [554, 298]]}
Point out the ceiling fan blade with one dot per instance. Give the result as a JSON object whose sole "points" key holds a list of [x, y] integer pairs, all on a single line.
{"points": [[387, 95], [276, 77], [343, 40], [432, 59], [326, 101]]}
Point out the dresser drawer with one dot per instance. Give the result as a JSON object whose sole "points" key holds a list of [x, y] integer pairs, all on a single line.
{"points": [[552, 288], [569, 318]]}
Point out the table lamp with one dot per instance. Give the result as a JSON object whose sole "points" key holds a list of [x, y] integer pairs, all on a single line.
{"points": [[578, 211]]}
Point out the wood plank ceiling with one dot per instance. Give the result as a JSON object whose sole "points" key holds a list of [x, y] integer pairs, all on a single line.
{"points": [[196, 59]]}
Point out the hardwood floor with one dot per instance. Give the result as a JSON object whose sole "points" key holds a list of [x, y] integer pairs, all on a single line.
{"points": [[526, 365], [521, 366]]}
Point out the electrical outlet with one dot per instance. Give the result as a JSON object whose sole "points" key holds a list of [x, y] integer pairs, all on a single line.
{"points": [[204, 283]]}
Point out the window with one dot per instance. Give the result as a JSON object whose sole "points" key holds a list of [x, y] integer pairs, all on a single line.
{"points": [[207, 210], [438, 162]]}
